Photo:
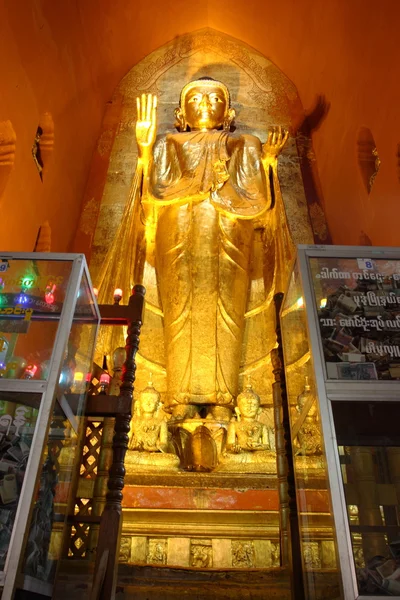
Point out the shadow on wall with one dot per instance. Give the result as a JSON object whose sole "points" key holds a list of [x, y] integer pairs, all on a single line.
{"points": [[312, 121]]}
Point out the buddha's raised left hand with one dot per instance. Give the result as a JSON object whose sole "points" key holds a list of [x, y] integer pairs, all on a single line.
{"points": [[277, 137]]}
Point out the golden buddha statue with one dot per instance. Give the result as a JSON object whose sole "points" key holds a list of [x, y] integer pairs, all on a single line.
{"points": [[206, 189], [205, 217], [149, 444], [248, 446]]}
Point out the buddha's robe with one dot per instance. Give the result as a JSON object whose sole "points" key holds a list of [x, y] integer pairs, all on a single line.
{"points": [[209, 189]]}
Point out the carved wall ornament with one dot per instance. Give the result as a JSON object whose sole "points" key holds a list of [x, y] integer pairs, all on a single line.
{"points": [[311, 555], [43, 143], [377, 165], [368, 158], [37, 153], [242, 554], [275, 554], [125, 550], [201, 554], [157, 552]]}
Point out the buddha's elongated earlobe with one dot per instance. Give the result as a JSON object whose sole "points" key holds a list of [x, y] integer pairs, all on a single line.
{"points": [[229, 117], [181, 121]]}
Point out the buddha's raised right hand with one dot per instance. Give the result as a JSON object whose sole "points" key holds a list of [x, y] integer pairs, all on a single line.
{"points": [[146, 124]]}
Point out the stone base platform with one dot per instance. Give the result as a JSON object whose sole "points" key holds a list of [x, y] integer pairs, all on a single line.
{"points": [[211, 520], [201, 520], [203, 480]]}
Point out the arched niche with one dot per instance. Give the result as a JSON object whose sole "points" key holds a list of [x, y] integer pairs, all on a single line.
{"points": [[8, 141], [261, 95]]}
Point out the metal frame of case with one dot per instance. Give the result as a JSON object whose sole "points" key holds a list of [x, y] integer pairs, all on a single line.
{"points": [[329, 390], [48, 390]]}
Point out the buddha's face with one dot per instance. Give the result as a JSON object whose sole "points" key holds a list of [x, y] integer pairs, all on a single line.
{"points": [[205, 107], [249, 407], [148, 403]]}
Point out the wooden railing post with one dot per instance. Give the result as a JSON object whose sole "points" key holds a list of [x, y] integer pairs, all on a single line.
{"points": [[281, 461], [287, 492], [106, 566]]}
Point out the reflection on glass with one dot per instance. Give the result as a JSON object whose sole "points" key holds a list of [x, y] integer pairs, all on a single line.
{"points": [[59, 464], [317, 533], [358, 305], [78, 358], [369, 452], [50, 509], [32, 295], [18, 414]]}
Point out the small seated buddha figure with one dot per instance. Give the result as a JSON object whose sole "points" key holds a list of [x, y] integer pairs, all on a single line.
{"points": [[149, 446], [248, 447], [308, 441]]}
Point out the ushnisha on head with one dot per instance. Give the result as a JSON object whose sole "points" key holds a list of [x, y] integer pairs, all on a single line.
{"points": [[149, 401], [248, 403], [204, 105]]}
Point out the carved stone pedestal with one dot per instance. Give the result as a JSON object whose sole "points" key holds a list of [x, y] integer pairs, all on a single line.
{"points": [[202, 520]]}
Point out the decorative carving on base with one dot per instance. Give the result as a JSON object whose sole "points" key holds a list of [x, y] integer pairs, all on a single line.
{"points": [[201, 554], [125, 550], [243, 554], [311, 555], [157, 554]]}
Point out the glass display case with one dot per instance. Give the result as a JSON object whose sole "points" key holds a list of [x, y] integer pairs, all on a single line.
{"points": [[340, 325], [48, 327]]}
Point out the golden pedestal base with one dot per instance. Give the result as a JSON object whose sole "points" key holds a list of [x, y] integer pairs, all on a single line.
{"points": [[248, 462], [148, 462]]}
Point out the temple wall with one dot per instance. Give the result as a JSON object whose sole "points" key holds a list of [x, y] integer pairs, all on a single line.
{"points": [[346, 52], [59, 60], [45, 82], [67, 58]]}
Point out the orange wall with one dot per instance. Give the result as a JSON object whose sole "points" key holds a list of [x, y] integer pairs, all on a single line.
{"points": [[349, 52], [64, 58], [41, 71], [67, 57]]}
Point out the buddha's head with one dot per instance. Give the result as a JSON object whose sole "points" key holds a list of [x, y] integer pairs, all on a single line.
{"points": [[149, 401], [204, 105], [248, 403]]}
